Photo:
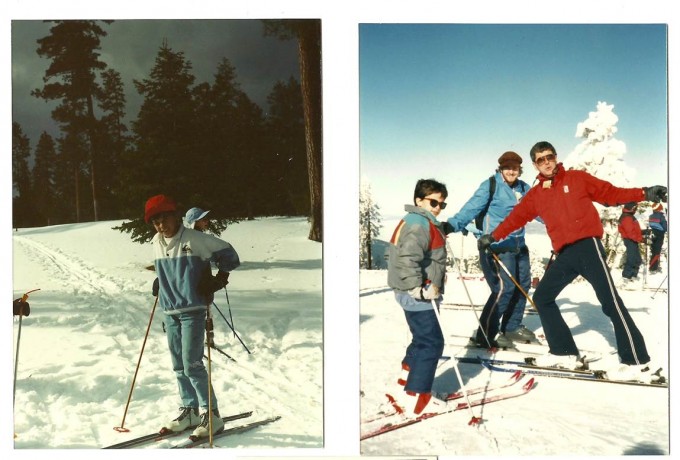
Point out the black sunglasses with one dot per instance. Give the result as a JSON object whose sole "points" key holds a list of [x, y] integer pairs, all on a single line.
{"points": [[434, 203], [544, 159]]}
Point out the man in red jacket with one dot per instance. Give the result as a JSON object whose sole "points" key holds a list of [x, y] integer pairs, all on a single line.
{"points": [[564, 201], [630, 231]]}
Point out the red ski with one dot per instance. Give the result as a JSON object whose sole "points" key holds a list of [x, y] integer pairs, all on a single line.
{"points": [[488, 388], [401, 421]]}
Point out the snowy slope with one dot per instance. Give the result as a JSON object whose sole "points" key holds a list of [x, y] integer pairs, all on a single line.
{"points": [[81, 343], [559, 416]]}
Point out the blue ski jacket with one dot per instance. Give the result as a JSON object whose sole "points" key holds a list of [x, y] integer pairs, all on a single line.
{"points": [[182, 262], [504, 199]]}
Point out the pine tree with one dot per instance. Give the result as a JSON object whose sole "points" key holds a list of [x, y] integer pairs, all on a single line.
{"points": [[113, 140], [21, 178], [71, 77], [165, 136], [370, 224], [44, 179]]}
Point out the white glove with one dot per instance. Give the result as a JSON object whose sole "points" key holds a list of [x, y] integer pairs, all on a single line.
{"points": [[427, 292]]}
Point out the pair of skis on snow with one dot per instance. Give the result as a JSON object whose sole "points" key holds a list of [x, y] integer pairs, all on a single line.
{"points": [[394, 419], [192, 442], [527, 366]]}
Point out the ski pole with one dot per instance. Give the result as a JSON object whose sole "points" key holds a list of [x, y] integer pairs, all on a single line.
{"points": [[209, 341], [507, 272], [221, 352], [661, 284], [16, 359], [122, 428], [474, 420], [231, 319], [231, 327], [472, 305]]}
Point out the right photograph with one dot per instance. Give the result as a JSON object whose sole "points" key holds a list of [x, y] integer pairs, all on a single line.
{"points": [[514, 295]]}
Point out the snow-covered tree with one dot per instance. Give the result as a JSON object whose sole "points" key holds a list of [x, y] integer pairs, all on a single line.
{"points": [[601, 155], [370, 224]]}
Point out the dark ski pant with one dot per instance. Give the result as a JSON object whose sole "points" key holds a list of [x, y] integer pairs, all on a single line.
{"points": [[505, 306], [657, 243], [426, 347], [586, 258], [633, 259]]}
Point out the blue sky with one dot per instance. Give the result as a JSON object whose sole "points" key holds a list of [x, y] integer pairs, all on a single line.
{"points": [[446, 100]]}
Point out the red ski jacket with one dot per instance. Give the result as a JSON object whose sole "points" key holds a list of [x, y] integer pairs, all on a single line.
{"points": [[629, 227], [565, 203]]}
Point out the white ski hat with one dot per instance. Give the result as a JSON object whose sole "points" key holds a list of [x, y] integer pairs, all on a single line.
{"points": [[193, 215]]}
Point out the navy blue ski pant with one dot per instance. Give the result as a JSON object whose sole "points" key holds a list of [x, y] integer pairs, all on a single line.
{"points": [[631, 267], [426, 347], [655, 248], [505, 306], [586, 258]]}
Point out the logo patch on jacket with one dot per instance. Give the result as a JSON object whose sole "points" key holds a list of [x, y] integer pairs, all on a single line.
{"points": [[186, 248]]}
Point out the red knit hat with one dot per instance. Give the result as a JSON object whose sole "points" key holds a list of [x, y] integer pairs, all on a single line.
{"points": [[158, 204], [658, 207]]}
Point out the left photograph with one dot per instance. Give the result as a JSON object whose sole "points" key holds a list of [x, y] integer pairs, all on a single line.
{"points": [[167, 234]]}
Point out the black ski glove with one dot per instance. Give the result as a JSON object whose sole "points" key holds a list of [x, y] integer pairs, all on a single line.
{"points": [[155, 288], [447, 228], [485, 241], [211, 284], [21, 308], [656, 193]]}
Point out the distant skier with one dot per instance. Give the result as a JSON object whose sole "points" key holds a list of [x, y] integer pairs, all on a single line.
{"points": [[182, 258], [564, 200], [631, 233], [416, 272], [659, 226]]}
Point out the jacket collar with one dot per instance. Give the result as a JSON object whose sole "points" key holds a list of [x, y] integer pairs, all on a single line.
{"points": [[560, 171], [422, 212]]}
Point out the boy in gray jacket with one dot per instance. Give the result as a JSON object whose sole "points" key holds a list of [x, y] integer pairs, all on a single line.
{"points": [[416, 272]]}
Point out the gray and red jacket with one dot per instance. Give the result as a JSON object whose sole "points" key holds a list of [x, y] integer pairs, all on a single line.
{"points": [[417, 251]]}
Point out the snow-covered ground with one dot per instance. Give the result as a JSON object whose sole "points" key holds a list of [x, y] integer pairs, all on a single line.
{"points": [[79, 347], [558, 416]]}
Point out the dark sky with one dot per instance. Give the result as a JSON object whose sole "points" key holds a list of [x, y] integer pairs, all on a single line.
{"points": [[131, 47]]}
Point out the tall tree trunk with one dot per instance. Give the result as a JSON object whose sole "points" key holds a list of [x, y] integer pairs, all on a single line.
{"points": [[309, 48], [77, 197], [91, 133]]}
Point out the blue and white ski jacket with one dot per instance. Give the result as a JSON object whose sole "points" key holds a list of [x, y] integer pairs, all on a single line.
{"points": [[504, 199], [182, 262]]}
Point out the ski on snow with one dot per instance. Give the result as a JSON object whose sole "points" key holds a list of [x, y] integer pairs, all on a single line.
{"points": [[488, 388], [195, 442], [159, 436], [501, 365], [401, 421]]}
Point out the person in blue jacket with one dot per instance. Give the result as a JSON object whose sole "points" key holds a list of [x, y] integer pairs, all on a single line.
{"points": [[186, 286], [500, 323], [659, 226]]}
